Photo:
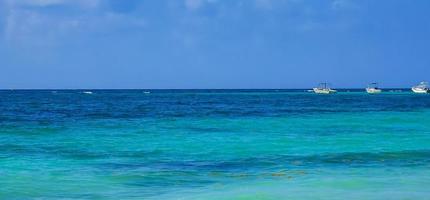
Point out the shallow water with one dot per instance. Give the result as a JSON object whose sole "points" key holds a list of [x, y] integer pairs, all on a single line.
{"points": [[213, 144]]}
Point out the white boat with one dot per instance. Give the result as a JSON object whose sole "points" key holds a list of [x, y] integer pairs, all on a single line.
{"points": [[421, 88], [373, 88], [87, 92], [323, 88]]}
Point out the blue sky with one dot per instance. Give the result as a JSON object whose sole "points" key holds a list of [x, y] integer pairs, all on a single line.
{"points": [[213, 43]]}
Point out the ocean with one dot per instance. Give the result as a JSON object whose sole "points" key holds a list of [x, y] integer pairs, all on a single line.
{"points": [[214, 144]]}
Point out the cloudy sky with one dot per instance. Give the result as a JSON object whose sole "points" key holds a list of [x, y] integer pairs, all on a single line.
{"points": [[213, 43]]}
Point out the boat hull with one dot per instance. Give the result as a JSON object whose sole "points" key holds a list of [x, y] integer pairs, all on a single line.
{"points": [[373, 90], [324, 91], [420, 90]]}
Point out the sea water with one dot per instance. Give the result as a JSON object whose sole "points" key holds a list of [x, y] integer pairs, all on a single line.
{"points": [[213, 144]]}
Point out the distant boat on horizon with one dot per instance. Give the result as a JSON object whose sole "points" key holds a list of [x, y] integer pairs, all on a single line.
{"points": [[323, 88], [373, 88], [421, 88], [87, 92]]}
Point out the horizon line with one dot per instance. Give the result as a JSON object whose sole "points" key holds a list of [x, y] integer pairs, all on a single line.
{"points": [[338, 88]]}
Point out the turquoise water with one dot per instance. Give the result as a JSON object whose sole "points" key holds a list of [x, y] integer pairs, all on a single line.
{"points": [[213, 144]]}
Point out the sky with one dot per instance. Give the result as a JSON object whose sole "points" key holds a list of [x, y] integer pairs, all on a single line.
{"points": [[174, 44]]}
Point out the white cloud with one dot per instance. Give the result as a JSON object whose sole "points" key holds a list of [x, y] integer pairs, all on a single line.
{"points": [[44, 3], [26, 25], [22, 22], [273, 4], [264, 4], [41, 2], [23, 25], [342, 4], [193, 4]]}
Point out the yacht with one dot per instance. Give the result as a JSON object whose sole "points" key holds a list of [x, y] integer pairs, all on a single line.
{"points": [[323, 88], [373, 88], [423, 87]]}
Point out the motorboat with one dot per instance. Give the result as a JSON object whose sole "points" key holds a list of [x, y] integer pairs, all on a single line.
{"points": [[323, 88], [421, 88], [373, 88]]}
